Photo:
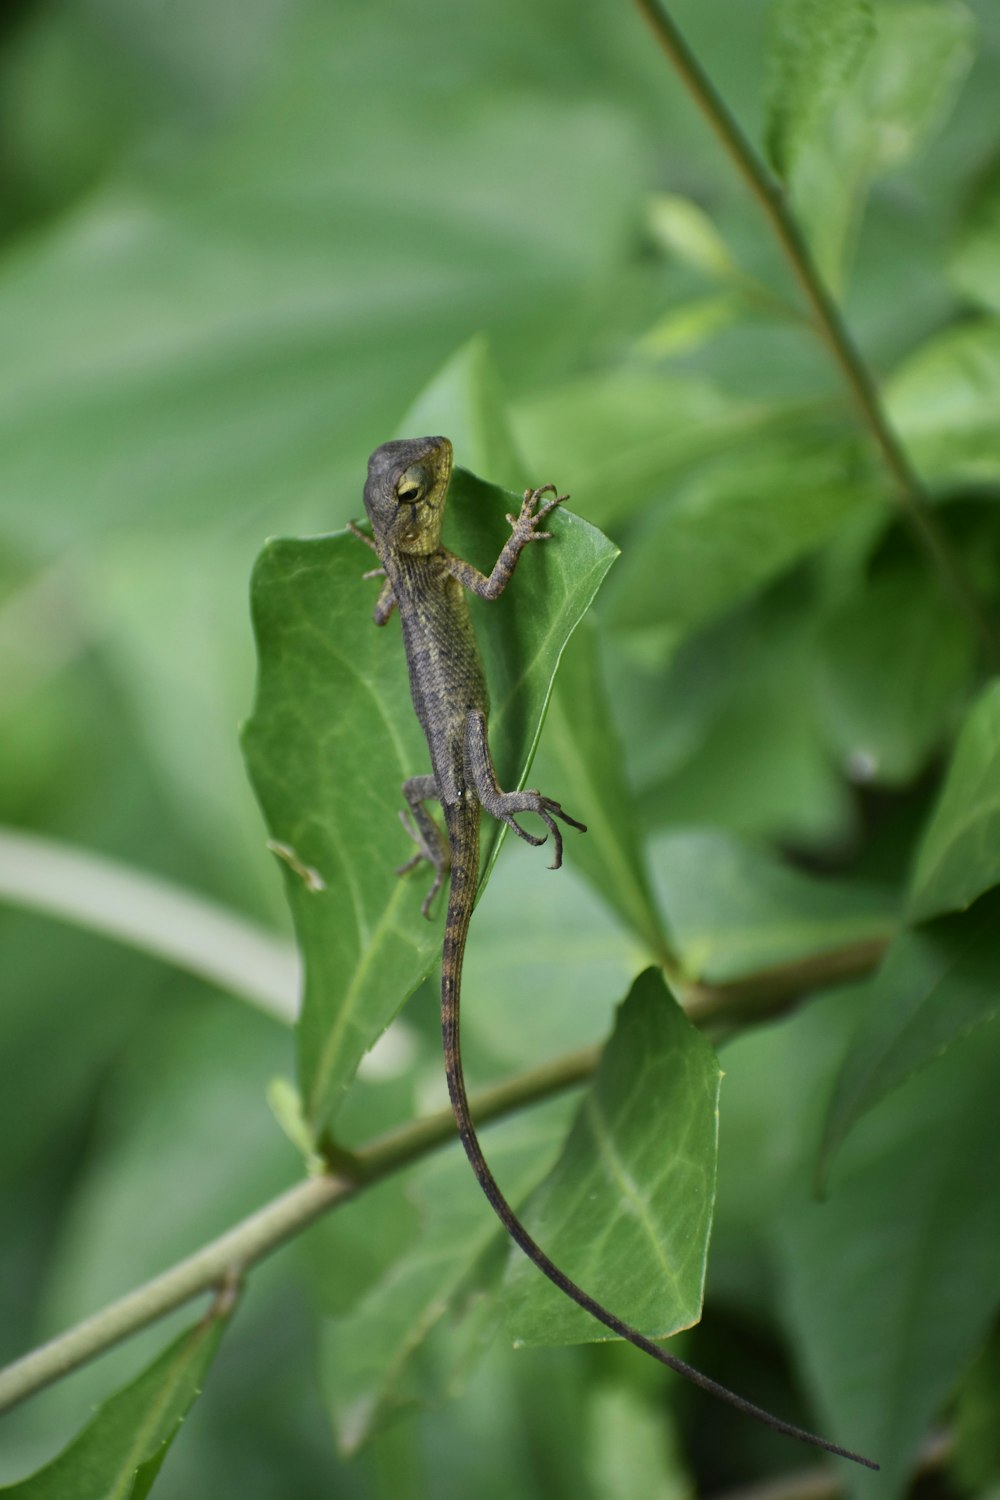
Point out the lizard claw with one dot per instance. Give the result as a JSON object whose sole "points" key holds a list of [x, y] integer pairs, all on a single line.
{"points": [[529, 518], [546, 809], [522, 833]]}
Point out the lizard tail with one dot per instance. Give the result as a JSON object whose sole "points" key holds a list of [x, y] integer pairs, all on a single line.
{"points": [[461, 897]]}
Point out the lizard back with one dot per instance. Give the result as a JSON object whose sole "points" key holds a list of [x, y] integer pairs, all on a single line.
{"points": [[446, 676]]}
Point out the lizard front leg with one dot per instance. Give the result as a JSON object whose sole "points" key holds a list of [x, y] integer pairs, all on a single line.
{"points": [[503, 805], [386, 602], [431, 843], [523, 531]]}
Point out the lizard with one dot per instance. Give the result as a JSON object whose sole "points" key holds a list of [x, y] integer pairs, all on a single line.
{"points": [[404, 496]]}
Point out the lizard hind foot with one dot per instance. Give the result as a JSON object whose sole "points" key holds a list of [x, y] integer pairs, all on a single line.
{"points": [[428, 901], [434, 855], [548, 810], [440, 870]]}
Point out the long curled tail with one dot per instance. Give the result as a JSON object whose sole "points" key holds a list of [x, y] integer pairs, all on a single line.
{"points": [[465, 869]]}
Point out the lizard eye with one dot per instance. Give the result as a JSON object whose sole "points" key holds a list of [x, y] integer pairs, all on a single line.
{"points": [[413, 485]]}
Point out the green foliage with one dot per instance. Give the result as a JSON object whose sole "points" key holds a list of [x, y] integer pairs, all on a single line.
{"points": [[974, 264], [959, 856], [627, 1209], [381, 1356], [894, 665], [815, 50], [236, 253], [879, 115], [119, 1453], [739, 521], [911, 1222], [976, 1463], [736, 910], [583, 754], [944, 401], [935, 986]]}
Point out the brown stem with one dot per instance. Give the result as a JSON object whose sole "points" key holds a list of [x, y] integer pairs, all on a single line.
{"points": [[908, 489]]}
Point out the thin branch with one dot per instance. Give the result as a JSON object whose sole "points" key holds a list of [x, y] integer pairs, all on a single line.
{"points": [[770, 195], [217, 1264], [150, 914], [225, 1260], [771, 992], [222, 1263]]}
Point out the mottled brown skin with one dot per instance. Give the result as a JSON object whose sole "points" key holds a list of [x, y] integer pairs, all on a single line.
{"points": [[405, 497]]}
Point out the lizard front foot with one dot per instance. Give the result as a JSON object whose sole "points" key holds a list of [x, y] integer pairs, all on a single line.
{"points": [[528, 518]]}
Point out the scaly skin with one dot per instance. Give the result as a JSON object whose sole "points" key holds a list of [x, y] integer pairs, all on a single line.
{"points": [[405, 496]]}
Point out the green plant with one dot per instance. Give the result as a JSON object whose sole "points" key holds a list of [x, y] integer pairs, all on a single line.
{"points": [[779, 719]]}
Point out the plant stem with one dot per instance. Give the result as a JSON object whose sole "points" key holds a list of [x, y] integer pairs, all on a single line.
{"points": [[154, 915], [768, 993], [238, 1248], [224, 1260], [908, 488]]}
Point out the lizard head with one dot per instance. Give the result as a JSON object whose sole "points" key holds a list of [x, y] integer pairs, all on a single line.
{"points": [[405, 493]]}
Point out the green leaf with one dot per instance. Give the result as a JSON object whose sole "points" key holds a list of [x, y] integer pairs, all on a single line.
{"points": [[689, 326], [729, 734], [890, 1285], [917, 65], [959, 856], [333, 736], [943, 400], [815, 47], [975, 1459], [734, 909], [627, 1210], [975, 264], [217, 311], [588, 765], [682, 227], [376, 1359], [877, 119], [735, 523], [119, 1453], [632, 1447], [935, 985], [618, 439], [893, 668], [285, 1104], [545, 993]]}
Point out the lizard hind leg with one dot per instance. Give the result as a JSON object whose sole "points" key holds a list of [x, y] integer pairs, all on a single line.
{"points": [[503, 805], [431, 843]]}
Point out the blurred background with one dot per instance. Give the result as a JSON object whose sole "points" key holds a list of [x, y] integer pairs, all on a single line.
{"points": [[236, 241]]}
